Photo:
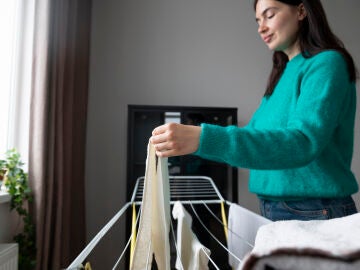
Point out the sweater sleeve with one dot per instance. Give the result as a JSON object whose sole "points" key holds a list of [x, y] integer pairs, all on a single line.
{"points": [[324, 89]]}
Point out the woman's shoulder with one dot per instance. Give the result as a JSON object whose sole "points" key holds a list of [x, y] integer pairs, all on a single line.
{"points": [[328, 64], [328, 56], [327, 61]]}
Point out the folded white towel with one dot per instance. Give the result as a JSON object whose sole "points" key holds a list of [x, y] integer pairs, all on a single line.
{"points": [[192, 253], [317, 244]]}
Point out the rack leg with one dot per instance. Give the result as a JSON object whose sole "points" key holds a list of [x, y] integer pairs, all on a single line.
{"points": [[133, 234], [223, 216]]}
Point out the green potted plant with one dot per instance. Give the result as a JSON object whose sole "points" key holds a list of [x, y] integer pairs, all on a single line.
{"points": [[2, 173], [15, 182]]}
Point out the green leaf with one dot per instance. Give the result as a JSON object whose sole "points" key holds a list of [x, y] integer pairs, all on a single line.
{"points": [[18, 188]]}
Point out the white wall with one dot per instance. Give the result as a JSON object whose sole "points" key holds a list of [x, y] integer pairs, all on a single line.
{"points": [[161, 52], [10, 223]]}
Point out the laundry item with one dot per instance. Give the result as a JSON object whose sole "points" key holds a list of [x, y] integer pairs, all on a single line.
{"points": [[153, 234], [303, 245], [192, 254], [243, 225]]}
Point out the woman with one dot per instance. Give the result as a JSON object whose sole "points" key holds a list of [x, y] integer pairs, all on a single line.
{"points": [[299, 143]]}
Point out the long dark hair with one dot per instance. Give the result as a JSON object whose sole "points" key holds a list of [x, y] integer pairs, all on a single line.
{"points": [[315, 36]]}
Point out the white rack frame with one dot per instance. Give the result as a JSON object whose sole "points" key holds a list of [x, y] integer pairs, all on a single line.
{"points": [[186, 189]]}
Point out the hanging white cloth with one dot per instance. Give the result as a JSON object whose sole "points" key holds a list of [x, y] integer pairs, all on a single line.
{"points": [[153, 234], [192, 254], [243, 226]]}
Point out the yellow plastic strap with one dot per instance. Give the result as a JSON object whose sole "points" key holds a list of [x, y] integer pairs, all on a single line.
{"points": [[88, 266], [133, 234], [223, 215]]}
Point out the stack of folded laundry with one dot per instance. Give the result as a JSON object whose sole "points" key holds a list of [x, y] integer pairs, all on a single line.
{"points": [[321, 245]]}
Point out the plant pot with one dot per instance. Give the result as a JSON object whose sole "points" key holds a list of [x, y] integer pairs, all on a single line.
{"points": [[3, 179]]}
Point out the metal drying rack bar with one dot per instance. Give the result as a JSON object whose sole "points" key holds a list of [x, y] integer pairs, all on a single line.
{"points": [[186, 189]]}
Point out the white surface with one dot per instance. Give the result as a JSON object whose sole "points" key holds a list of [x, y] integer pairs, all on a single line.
{"points": [[4, 197], [8, 218], [243, 226], [8, 256]]}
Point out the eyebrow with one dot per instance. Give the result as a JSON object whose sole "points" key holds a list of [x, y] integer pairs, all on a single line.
{"points": [[264, 12]]}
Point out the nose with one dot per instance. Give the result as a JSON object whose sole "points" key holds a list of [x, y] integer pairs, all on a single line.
{"points": [[262, 27]]}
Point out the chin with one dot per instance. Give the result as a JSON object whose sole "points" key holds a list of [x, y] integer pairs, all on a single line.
{"points": [[271, 47]]}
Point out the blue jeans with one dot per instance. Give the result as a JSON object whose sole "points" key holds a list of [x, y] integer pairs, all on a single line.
{"points": [[308, 209]]}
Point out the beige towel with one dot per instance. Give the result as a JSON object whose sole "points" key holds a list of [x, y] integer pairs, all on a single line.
{"points": [[192, 252], [153, 234]]}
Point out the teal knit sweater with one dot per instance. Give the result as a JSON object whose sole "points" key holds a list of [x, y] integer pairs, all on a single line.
{"points": [[299, 142]]}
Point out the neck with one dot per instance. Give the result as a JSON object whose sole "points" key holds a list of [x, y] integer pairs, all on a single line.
{"points": [[293, 50]]}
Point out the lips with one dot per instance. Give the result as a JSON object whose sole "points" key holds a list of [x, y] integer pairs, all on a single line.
{"points": [[267, 38]]}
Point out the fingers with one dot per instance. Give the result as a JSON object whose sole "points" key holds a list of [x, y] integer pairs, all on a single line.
{"points": [[166, 153], [163, 133], [162, 149], [160, 129], [158, 139], [162, 139]]}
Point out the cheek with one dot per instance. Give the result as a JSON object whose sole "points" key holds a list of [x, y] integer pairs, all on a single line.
{"points": [[280, 25], [289, 26]]}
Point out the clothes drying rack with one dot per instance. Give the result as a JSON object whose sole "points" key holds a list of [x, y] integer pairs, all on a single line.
{"points": [[189, 190]]}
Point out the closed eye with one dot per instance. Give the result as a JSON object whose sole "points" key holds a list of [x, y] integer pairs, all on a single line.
{"points": [[268, 13]]}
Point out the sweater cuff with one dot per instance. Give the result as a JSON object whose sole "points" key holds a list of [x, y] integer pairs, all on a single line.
{"points": [[211, 141]]}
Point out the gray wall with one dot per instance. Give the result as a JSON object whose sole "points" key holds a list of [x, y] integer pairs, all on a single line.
{"points": [[162, 52]]}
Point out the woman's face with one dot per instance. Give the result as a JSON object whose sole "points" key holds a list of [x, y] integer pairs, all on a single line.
{"points": [[279, 25]]}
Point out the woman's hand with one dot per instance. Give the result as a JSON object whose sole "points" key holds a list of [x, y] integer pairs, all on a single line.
{"points": [[174, 139]]}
